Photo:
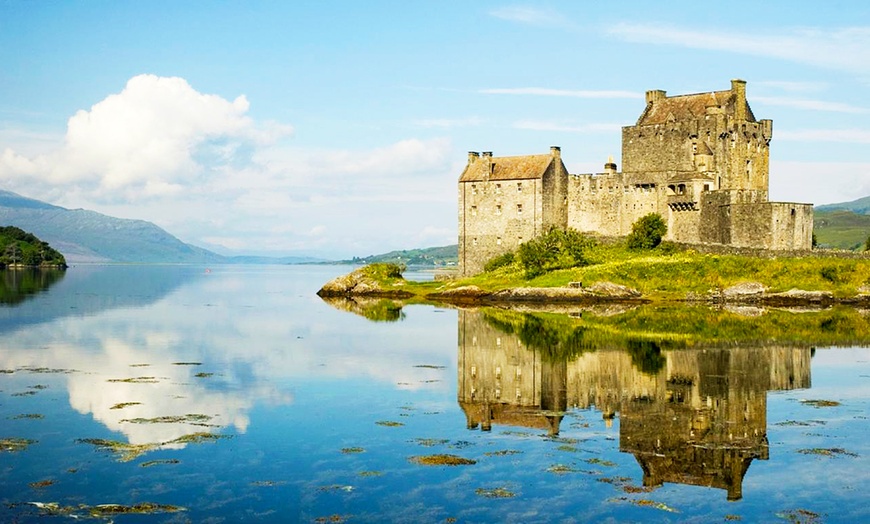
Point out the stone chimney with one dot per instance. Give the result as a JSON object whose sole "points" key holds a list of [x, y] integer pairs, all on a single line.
{"points": [[473, 156], [738, 89], [655, 95], [610, 166], [556, 152], [487, 154]]}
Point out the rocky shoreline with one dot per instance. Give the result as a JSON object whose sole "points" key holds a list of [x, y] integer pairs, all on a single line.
{"points": [[356, 284]]}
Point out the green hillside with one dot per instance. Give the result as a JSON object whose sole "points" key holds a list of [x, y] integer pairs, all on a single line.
{"points": [[840, 228], [431, 256], [19, 248], [860, 206]]}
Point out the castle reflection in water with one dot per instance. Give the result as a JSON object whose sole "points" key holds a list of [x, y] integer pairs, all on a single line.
{"points": [[689, 416]]}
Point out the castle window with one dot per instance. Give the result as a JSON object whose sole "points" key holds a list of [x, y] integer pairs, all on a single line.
{"points": [[474, 241], [519, 240], [519, 209], [498, 189], [706, 187], [498, 209], [519, 187], [474, 211], [498, 241], [473, 189]]}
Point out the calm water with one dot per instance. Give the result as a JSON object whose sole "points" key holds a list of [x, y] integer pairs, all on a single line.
{"points": [[302, 411]]}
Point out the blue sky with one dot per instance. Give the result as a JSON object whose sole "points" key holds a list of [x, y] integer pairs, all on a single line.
{"points": [[339, 129]]}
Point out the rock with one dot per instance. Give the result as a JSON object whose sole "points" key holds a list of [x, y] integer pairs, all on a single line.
{"points": [[800, 296], [744, 289], [460, 293], [864, 290], [356, 283], [611, 290]]}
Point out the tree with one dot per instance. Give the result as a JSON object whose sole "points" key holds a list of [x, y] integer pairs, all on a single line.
{"points": [[557, 249], [867, 244], [647, 232]]}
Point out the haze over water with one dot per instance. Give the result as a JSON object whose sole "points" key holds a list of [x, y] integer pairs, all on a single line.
{"points": [[239, 395]]}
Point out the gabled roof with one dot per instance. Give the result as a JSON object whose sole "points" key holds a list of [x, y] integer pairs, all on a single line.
{"points": [[506, 168], [681, 108]]}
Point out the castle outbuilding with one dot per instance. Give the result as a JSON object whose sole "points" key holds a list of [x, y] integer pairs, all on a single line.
{"points": [[701, 161]]}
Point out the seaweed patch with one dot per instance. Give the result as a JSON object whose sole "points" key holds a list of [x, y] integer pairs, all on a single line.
{"points": [[15, 444], [441, 460], [135, 380], [495, 493], [123, 405], [817, 403], [827, 452]]}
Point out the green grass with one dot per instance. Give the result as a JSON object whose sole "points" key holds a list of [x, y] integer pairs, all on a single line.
{"points": [[668, 273]]}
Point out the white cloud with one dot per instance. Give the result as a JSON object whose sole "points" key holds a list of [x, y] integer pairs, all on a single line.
{"points": [[545, 91], [151, 139], [813, 105], [200, 167], [845, 49]]}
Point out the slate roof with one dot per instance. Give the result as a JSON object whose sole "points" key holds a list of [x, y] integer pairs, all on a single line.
{"points": [[507, 168], [689, 107]]}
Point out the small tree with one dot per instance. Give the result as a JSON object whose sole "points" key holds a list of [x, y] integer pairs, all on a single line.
{"points": [[867, 244], [557, 249], [647, 232]]}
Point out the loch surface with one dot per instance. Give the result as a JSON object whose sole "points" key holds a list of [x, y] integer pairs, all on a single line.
{"points": [[235, 394]]}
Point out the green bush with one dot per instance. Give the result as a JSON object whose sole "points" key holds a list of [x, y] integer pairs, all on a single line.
{"points": [[502, 260], [557, 249], [647, 232]]}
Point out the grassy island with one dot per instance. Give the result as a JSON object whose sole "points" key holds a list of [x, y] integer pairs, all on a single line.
{"points": [[665, 273]]}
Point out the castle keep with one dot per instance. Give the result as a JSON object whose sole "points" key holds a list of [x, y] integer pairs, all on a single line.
{"points": [[700, 161]]}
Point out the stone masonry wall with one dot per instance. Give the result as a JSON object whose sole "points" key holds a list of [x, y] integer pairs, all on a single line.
{"points": [[496, 217]]}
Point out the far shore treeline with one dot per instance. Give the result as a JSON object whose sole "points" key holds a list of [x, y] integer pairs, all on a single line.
{"points": [[19, 248]]}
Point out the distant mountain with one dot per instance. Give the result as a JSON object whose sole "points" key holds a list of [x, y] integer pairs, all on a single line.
{"points": [[431, 256], [88, 236], [860, 206]]}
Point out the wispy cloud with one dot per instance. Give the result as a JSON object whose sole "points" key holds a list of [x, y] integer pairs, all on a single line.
{"points": [[531, 16], [848, 136], [846, 49], [814, 105], [543, 125], [794, 87], [545, 91]]}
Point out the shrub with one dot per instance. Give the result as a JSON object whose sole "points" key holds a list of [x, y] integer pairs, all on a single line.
{"points": [[384, 270], [502, 260], [557, 249], [647, 232], [866, 244]]}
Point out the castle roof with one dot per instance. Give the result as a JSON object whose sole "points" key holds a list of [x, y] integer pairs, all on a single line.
{"points": [[507, 168], [681, 108]]}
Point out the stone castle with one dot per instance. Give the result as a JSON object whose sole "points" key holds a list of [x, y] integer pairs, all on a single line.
{"points": [[700, 161]]}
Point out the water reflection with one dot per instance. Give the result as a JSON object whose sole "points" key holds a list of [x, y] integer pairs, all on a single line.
{"points": [[18, 285], [689, 416]]}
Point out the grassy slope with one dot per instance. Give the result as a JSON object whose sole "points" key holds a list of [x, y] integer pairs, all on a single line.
{"points": [[841, 228]]}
